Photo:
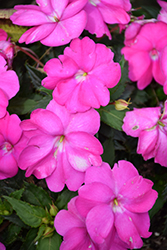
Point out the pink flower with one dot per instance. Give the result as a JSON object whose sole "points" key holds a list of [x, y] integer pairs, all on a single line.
{"points": [[75, 234], [162, 16], [6, 48], [151, 130], [9, 85], [81, 77], [60, 146], [144, 45], [2, 247], [103, 12], [10, 134], [116, 199], [55, 22]]}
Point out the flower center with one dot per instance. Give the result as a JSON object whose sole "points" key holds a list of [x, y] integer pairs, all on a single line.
{"points": [[80, 76], [154, 54], [94, 2], [7, 147], [59, 145]]}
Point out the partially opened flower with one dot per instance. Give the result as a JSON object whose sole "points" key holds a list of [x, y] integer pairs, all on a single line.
{"points": [[75, 234], [9, 85], [10, 135], [117, 199], [81, 77], [55, 22], [151, 127], [103, 12], [144, 46], [6, 47], [60, 146]]}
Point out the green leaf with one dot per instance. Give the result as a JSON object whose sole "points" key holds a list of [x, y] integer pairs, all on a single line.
{"points": [[36, 195], [51, 243], [29, 243], [17, 194], [30, 215], [40, 232], [109, 151], [35, 75], [64, 198], [16, 220], [12, 233], [112, 117], [1, 219], [14, 31]]}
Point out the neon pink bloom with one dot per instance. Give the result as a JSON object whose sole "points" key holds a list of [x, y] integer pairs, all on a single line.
{"points": [[144, 45], [162, 16], [60, 146], [103, 12], [81, 77], [55, 22], [10, 134], [6, 47], [119, 198], [75, 234], [151, 127], [2, 247], [9, 85]]}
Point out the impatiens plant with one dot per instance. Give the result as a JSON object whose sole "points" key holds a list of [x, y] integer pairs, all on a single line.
{"points": [[69, 112]]}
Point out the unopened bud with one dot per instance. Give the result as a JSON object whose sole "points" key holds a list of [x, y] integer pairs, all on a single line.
{"points": [[45, 220], [121, 104], [53, 210], [48, 232]]}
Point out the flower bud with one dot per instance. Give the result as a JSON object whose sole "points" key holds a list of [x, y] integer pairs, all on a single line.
{"points": [[121, 104], [53, 210], [45, 220], [48, 232]]}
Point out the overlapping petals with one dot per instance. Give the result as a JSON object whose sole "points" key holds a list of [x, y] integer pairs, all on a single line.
{"points": [[81, 77], [9, 149], [9, 86], [144, 50], [101, 13], [60, 146], [151, 130], [6, 48], [116, 199], [55, 22]]}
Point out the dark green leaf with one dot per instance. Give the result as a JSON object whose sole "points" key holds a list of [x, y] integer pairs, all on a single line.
{"points": [[17, 194], [12, 233], [40, 232], [29, 243], [64, 198], [112, 117], [16, 220], [36, 195], [50, 243], [30, 215], [109, 151]]}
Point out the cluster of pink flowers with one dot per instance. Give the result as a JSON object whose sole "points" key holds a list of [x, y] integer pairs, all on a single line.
{"points": [[59, 144], [111, 211], [58, 22]]}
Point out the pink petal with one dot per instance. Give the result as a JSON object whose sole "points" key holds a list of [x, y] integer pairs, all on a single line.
{"points": [[45, 6], [137, 120], [3, 35], [66, 30], [3, 103], [158, 73], [99, 222], [37, 33], [88, 121], [147, 143], [8, 166], [161, 148], [127, 231], [9, 83], [29, 17], [59, 7], [48, 121], [122, 172], [137, 195], [82, 52], [113, 14], [59, 111], [73, 8], [95, 23]]}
